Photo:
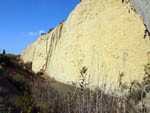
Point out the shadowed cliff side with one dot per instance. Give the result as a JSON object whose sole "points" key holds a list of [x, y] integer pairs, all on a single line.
{"points": [[143, 8]]}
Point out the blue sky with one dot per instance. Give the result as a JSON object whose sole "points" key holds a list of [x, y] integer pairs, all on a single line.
{"points": [[22, 21]]}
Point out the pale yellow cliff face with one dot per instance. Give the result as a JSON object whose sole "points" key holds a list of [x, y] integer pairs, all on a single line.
{"points": [[106, 36]]}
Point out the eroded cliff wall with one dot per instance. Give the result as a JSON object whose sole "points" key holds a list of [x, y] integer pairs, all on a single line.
{"points": [[106, 36]]}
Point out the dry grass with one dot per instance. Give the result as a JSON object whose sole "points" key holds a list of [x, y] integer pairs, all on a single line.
{"points": [[39, 94], [50, 99]]}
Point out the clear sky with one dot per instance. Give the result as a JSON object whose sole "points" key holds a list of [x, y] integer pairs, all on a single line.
{"points": [[22, 21]]}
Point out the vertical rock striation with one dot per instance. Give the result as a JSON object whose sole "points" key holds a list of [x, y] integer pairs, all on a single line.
{"points": [[41, 51]]}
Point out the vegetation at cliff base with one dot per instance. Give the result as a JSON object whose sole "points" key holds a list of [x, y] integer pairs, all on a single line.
{"points": [[24, 91]]}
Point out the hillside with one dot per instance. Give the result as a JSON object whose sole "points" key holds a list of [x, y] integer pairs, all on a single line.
{"points": [[23, 91], [18, 82]]}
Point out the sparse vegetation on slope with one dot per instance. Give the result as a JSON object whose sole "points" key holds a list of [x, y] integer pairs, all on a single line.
{"points": [[34, 94]]}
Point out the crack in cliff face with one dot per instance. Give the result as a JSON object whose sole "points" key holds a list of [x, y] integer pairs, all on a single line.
{"points": [[33, 54], [46, 45], [56, 35], [146, 33], [49, 54]]}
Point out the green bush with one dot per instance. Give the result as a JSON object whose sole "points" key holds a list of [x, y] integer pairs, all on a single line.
{"points": [[4, 60], [137, 95]]}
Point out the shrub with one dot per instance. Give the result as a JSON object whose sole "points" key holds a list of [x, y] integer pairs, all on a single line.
{"points": [[11, 56], [50, 30], [43, 34], [20, 82], [28, 65], [5, 61], [41, 72], [24, 102], [44, 96]]}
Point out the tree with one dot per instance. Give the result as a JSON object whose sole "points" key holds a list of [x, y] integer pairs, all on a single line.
{"points": [[4, 52]]}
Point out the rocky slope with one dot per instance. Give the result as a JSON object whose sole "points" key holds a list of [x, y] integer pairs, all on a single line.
{"points": [[106, 36]]}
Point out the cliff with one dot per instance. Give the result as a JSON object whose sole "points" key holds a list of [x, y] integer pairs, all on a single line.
{"points": [[106, 36]]}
